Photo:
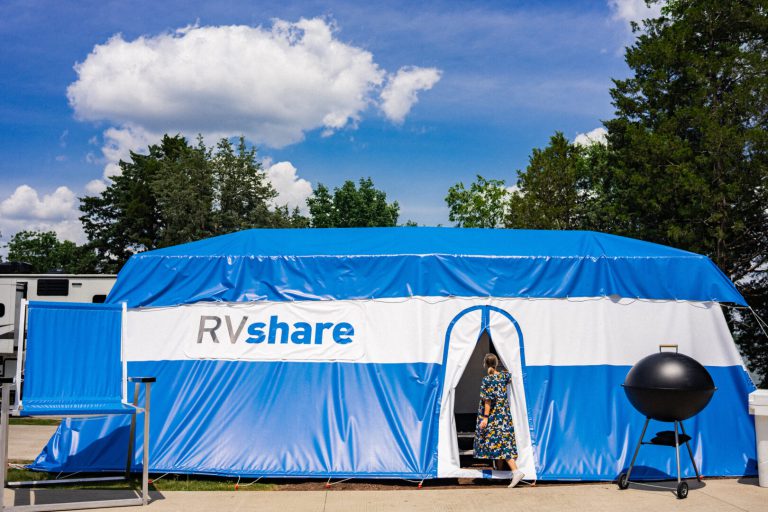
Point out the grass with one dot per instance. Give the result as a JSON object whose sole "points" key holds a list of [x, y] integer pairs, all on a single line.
{"points": [[33, 421], [160, 483], [197, 483]]}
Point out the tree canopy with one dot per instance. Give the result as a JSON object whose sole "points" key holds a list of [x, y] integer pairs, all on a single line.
{"points": [[689, 142], [45, 252], [483, 205], [351, 206], [179, 193], [559, 189]]}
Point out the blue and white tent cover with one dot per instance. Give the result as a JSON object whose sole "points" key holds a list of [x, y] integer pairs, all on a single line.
{"points": [[336, 353]]}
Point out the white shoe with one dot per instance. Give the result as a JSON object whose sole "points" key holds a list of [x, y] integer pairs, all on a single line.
{"points": [[516, 477]]}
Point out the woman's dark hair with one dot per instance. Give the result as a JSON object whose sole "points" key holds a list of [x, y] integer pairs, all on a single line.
{"points": [[490, 361]]}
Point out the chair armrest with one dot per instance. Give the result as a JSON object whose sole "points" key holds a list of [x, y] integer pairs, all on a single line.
{"points": [[142, 379]]}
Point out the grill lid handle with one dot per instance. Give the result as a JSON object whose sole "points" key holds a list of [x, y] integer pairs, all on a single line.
{"points": [[662, 347]]}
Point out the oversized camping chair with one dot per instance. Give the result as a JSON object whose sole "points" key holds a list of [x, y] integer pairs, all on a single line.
{"points": [[71, 363]]}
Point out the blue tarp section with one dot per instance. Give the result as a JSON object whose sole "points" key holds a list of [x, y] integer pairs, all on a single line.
{"points": [[585, 428], [73, 362], [343, 420], [315, 264]]}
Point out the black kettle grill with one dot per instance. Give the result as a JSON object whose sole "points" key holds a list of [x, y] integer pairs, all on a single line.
{"points": [[669, 387]]}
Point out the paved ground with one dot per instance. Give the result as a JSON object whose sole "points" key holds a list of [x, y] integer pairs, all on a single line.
{"points": [[722, 495], [713, 495], [26, 441]]}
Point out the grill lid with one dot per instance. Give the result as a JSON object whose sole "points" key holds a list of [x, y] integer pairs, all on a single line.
{"points": [[669, 386], [670, 371]]}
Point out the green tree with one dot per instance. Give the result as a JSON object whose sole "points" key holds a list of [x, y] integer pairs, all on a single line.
{"points": [[482, 205], [180, 193], [182, 187], [243, 194], [561, 188], [351, 206], [557, 189], [45, 252], [284, 217], [126, 218], [689, 143]]}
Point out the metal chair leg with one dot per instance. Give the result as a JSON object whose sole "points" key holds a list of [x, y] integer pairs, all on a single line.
{"points": [[132, 435], [145, 461]]}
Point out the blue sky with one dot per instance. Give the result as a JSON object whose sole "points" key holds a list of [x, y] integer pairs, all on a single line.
{"points": [[417, 95]]}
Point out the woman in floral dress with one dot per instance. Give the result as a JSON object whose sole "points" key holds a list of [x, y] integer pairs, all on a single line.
{"points": [[495, 433]]}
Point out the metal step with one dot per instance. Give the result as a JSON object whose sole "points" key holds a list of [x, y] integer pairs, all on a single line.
{"points": [[465, 435], [466, 452]]}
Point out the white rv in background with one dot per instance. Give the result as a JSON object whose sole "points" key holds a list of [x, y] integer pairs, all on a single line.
{"points": [[47, 287]]}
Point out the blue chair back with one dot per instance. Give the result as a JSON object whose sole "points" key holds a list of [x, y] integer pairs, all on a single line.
{"points": [[73, 359]]}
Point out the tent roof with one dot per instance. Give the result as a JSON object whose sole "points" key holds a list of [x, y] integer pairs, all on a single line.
{"points": [[357, 263], [421, 241]]}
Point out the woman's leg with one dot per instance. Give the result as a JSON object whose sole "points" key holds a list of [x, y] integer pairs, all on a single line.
{"points": [[517, 475]]}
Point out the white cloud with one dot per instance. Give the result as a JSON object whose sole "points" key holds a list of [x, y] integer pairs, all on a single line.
{"points": [[25, 203], [270, 84], [119, 142], [597, 136], [291, 189], [400, 94], [65, 230], [633, 10], [95, 187], [25, 209]]}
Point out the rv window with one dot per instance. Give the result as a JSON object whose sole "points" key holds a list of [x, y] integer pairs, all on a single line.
{"points": [[53, 287], [2, 310], [99, 299]]}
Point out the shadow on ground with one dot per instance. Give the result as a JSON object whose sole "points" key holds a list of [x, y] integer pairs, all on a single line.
{"points": [[23, 497]]}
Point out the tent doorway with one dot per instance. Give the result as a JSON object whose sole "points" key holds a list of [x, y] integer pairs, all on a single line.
{"points": [[473, 333], [466, 401]]}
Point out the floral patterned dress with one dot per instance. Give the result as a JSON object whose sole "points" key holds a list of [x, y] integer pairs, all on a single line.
{"points": [[497, 440]]}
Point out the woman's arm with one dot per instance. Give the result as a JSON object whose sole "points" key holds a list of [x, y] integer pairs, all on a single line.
{"points": [[486, 413]]}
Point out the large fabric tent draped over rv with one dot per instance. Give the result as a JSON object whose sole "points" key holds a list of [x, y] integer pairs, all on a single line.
{"points": [[336, 353]]}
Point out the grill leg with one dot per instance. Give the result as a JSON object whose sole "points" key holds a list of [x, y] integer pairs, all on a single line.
{"points": [[677, 453], [639, 442], [690, 452]]}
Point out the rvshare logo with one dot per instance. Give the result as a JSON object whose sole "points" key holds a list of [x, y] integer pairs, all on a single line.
{"points": [[273, 332]]}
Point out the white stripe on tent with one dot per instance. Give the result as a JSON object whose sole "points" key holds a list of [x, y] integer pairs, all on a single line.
{"points": [[559, 332]]}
